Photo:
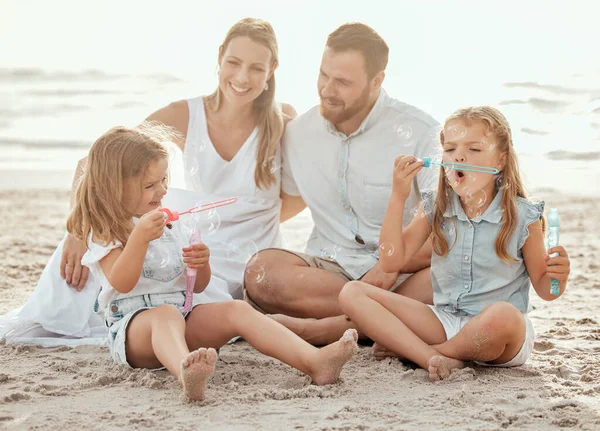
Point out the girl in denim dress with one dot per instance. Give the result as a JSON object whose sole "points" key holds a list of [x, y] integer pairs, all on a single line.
{"points": [[140, 264], [488, 250]]}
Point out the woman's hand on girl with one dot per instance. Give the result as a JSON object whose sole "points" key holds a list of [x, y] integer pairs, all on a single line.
{"points": [[405, 169], [150, 226], [196, 256]]}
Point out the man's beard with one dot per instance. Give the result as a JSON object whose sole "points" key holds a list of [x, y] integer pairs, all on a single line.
{"points": [[337, 117]]}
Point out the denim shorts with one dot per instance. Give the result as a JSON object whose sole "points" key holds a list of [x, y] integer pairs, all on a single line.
{"points": [[120, 312]]}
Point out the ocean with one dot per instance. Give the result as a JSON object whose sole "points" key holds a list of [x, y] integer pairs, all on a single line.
{"points": [[65, 79]]}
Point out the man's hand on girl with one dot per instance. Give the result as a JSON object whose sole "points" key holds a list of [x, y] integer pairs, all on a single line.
{"points": [[196, 256]]}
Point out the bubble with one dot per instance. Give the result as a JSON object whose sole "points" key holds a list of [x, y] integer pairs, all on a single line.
{"points": [[404, 131], [451, 178], [475, 198], [206, 221], [488, 143], [330, 253], [448, 227], [386, 249], [158, 256], [193, 167], [242, 251], [272, 164], [201, 146], [474, 212], [454, 131], [254, 270]]}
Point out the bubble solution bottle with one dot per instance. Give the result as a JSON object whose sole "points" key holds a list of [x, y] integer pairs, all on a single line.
{"points": [[552, 241]]}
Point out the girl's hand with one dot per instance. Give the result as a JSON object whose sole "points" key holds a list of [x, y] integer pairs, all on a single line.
{"points": [[151, 226], [558, 267], [196, 256], [405, 169]]}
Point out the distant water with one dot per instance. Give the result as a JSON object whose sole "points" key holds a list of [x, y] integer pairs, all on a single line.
{"points": [[49, 118]]}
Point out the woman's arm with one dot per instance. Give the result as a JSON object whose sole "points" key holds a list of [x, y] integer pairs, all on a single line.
{"points": [[542, 268]]}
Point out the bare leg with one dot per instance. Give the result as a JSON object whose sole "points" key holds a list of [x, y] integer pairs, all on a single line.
{"points": [[327, 330], [216, 323], [495, 335], [291, 287], [400, 324], [156, 337]]}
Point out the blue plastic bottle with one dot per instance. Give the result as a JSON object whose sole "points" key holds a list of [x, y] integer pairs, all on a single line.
{"points": [[553, 237]]}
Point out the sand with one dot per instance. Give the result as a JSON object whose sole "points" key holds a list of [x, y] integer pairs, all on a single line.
{"points": [[80, 388]]}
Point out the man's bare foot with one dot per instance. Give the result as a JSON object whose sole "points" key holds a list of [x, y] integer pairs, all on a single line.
{"points": [[440, 367], [379, 353], [332, 358], [196, 368]]}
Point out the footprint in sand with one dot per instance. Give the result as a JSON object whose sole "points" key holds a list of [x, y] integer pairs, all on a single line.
{"points": [[542, 346], [196, 368]]}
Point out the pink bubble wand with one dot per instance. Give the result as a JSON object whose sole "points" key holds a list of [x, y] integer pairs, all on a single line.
{"points": [[191, 273], [174, 215]]}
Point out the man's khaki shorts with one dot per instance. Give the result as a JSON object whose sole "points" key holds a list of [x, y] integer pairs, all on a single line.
{"points": [[328, 265]]}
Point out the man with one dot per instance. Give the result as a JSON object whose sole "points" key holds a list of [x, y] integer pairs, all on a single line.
{"points": [[338, 159]]}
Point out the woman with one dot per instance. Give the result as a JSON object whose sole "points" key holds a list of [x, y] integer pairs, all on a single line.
{"points": [[230, 145]]}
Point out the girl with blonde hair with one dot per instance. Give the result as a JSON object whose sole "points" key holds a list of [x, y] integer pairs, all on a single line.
{"points": [[488, 242], [143, 298]]}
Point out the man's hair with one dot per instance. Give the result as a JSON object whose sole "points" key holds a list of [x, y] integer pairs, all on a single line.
{"points": [[360, 37]]}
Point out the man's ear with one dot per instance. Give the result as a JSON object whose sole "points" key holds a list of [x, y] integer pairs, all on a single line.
{"points": [[377, 80]]}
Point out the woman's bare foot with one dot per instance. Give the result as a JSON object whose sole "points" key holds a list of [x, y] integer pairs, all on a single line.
{"points": [[332, 358], [440, 367], [196, 368], [379, 352]]}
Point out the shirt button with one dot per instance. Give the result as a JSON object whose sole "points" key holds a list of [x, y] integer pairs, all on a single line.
{"points": [[466, 257], [466, 286], [347, 207], [341, 175], [114, 308]]}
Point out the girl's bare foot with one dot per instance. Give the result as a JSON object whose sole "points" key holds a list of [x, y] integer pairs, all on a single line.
{"points": [[196, 368], [379, 352], [440, 367], [332, 358]]}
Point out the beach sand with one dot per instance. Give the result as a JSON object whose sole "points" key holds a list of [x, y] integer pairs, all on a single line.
{"points": [[80, 388]]}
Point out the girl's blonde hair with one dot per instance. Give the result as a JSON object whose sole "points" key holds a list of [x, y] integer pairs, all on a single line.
{"points": [[499, 129], [119, 155], [269, 118]]}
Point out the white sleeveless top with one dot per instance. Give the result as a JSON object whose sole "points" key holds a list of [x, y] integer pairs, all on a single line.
{"points": [[247, 226]]}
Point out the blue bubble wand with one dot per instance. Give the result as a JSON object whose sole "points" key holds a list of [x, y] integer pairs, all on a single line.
{"points": [[427, 163]]}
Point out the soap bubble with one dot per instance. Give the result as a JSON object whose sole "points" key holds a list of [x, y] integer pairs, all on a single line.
{"points": [[475, 198], [272, 164], [158, 256], [404, 132], [474, 212], [254, 270], [206, 221], [242, 251], [448, 227], [454, 131], [386, 249], [330, 253]]}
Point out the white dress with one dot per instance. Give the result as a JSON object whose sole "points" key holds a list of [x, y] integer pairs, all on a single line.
{"points": [[56, 314]]}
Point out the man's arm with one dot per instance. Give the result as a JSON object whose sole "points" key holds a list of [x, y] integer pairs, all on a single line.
{"points": [[290, 206]]}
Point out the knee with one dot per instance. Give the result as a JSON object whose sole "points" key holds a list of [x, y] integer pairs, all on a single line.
{"points": [[260, 279], [349, 293], [236, 309], [503, 318]]}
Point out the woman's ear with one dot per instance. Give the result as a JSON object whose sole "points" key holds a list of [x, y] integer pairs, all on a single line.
{"points": [[272, 71]]}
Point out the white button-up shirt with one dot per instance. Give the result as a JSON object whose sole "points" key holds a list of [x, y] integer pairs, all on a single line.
{"points": [[346, 181]]}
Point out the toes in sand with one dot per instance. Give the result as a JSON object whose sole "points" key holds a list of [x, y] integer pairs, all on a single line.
{"points": [[332, 358], [196, 368], [440, 367]]}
